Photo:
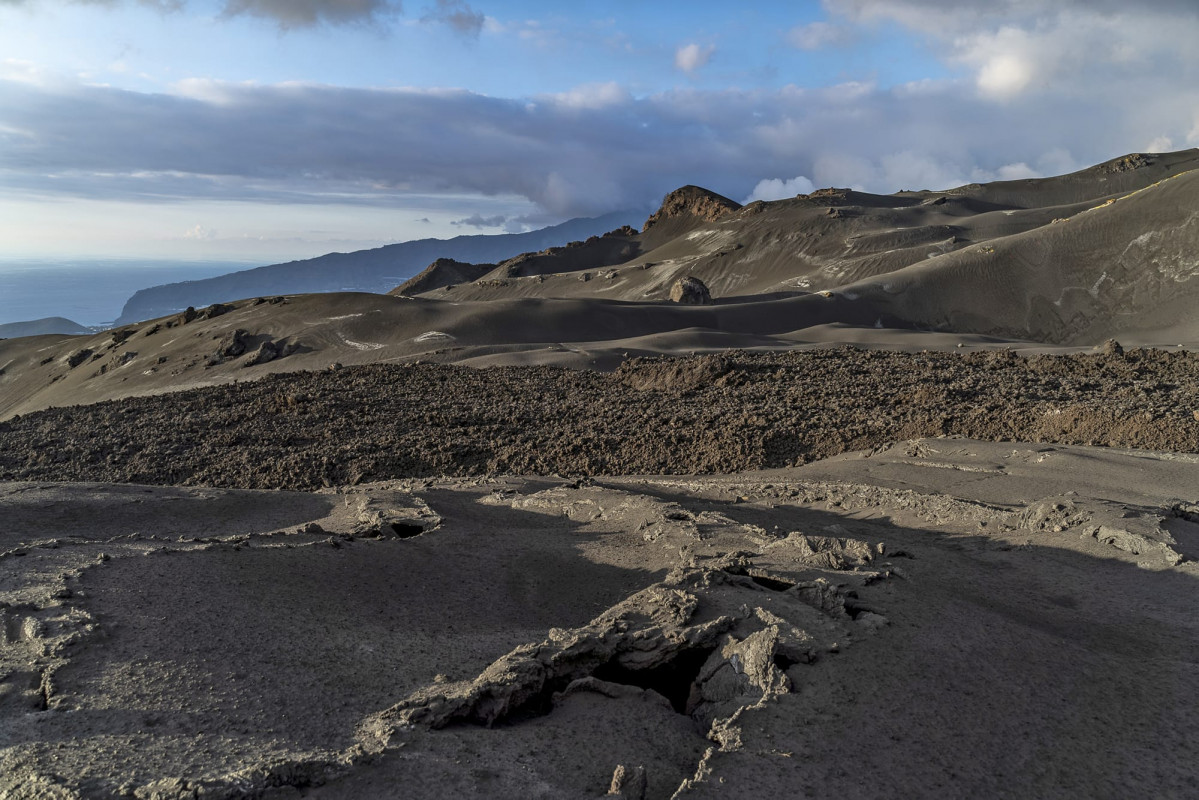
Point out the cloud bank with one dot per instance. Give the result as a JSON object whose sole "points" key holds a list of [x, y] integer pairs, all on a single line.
{"points": [[305, 13], [584, 152], [290, 14], [1041, 89]]}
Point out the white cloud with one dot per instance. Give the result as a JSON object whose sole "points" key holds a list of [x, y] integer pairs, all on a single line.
{"points": [[818, 35], [593, 149], [845, 170], [1004, 75], [1014, 47], [200, 233], [1016, 172], [592, 96], [778, 189], [692, 56], [480, 221], [1161, 144], [911, 169]]}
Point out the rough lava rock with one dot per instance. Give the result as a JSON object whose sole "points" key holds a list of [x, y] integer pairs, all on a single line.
{"points": [[693, 201], [690, 291]]}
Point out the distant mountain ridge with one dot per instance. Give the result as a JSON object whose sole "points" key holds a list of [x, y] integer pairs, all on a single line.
{"points": [[377, 270]]}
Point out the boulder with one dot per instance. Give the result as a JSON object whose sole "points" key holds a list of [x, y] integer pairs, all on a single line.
{"points": [[267, 351], [690, 291]]}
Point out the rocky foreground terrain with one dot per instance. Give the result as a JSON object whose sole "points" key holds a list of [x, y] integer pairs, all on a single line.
{"points": [[717, 413], [302, 546], [937, 618]]}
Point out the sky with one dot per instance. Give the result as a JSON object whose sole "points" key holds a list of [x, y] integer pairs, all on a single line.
{"points": [[263, 130]]}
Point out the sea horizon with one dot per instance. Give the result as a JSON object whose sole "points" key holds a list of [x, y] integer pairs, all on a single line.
{"points": [[92, 291]]}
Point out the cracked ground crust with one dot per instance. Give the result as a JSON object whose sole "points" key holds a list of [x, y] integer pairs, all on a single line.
{"points": [[929, 617]]}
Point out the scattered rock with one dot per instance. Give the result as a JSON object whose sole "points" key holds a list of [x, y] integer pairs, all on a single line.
{"points": [[232, 345], [119, 336], [78, 357], [690, 291], [215, 310], [267, 351]]}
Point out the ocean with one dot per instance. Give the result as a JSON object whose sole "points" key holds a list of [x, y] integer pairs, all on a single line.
{"points": [[91, 292]]}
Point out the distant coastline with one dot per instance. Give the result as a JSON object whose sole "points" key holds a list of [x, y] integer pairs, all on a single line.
{"points": [[90, 292]]}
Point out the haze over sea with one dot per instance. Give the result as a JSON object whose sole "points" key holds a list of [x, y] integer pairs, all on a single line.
{"points": [[90, 292]]}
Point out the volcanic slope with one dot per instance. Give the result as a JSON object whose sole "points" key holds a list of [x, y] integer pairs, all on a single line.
{"points": [[1110, 251]]}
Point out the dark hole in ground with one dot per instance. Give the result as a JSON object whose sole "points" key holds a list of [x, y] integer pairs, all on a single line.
{"points": [[672, 680], [856, 607], [784, 662], [765, 581], [406, 530], [773, 584]]}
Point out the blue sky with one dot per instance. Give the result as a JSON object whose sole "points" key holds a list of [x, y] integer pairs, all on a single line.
{"points": [[268, 129]]}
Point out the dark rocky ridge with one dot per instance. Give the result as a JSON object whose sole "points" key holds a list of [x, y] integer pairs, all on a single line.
{"points": [[709, 414]]}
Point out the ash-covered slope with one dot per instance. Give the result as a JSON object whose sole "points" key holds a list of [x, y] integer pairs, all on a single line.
{"points": [[374, 270], [1013, 258], [1125, 266], [1042, 264]]}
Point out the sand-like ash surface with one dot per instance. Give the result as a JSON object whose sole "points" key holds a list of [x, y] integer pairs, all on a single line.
{"points": [[753, 572], [723, 413], [938, 618]]}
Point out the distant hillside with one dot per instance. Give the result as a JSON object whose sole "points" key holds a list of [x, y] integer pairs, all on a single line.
{"points": [[1111, 251], [41, 327], [377, 270]]}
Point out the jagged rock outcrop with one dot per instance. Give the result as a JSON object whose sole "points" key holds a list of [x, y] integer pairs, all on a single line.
{"points": [[692, 201], [1126, 163]]}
